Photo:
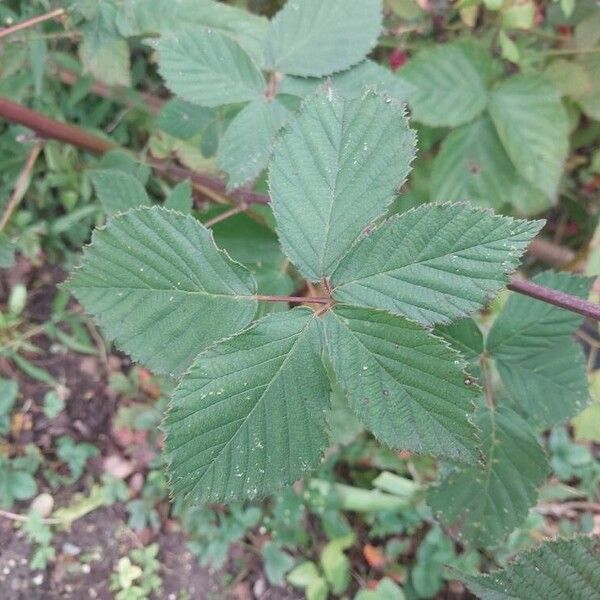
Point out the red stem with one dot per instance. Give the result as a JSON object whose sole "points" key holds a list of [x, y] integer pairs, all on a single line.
{"points": [[69, 134], [560, 299], [294, 299]]}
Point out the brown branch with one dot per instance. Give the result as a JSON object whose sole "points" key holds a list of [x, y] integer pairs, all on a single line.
{"points": [[75, 136], [550, 253], [59, 12], [555, 297], [52, 129], [21, 185], [235, 210]]}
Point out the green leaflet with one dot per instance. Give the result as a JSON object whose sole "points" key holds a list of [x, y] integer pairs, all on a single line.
{"points": [[464, 336], [433, 264], [335, 169], [180, 198], [351, 83], [209, 69], [249, 416], [172, 17], [312, 38], [247, 144], [540, 365], [472, 165], [404, 384], [118, 191], [184, 120], [556, 570], [487, 502], [161, 289], [7, 251], [533, 126], [526, 325], [449, 84], [103, 53]]}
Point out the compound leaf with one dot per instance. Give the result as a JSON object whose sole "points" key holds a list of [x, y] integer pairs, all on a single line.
{"points": [[249, 416], [312, 38], [449, 85], [434, 263], [118, 191], [487, 502], [209, 69], [533, 126], [161, 289], [556, 570], [247, 144], [407, 386], [335, 169]]}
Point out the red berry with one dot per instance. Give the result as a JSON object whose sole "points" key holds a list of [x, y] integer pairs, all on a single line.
{"points": [[398, 59]]}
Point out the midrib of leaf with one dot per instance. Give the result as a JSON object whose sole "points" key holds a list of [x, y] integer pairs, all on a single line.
{"points": [[334, 194], [245, 419]]}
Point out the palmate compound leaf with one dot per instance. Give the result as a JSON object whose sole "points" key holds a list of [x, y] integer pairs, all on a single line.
{"points": [[247, 144], [434, 263], [486, 502], [406, 385], [541, 366], [161, 289], [250, 415], [208, 68], [555, 570], [335, 169], [312, 38], [533, 126]]}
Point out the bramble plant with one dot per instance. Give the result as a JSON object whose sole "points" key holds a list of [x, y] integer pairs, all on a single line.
{"points": [[352, 276]]}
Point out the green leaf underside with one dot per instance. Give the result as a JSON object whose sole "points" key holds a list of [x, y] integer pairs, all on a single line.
{"points": [[556, 570], [312, 38], [434, 263], [473, 166], [172, 17], [351, 83], [487, 502], [533, 126], [450, 87], [161, 289], [209, 69], [118, 191], [541, 366], [407, 386], [249, 416], [335, 169], [247, 144]]}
